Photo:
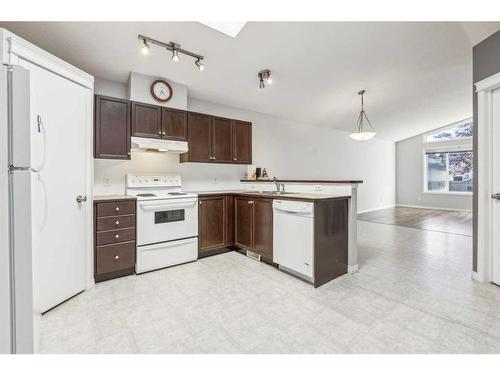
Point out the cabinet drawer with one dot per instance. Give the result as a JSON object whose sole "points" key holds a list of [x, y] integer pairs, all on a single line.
{"points": [[115, 222], [113, 236], [116, 208], [115, 257]]}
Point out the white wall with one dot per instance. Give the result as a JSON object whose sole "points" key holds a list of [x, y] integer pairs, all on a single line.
{"points": [[287, 149], [410, 180]]}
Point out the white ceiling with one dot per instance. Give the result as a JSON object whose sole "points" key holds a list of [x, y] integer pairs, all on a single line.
{"points": [[417, 75]]}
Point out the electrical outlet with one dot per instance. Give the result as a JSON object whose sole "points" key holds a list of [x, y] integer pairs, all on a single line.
{"points": [[215, 181], [317, 188], [107, 181]]}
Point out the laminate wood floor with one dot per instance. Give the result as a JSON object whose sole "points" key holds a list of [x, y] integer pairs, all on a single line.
{"points": [[454, 222]]}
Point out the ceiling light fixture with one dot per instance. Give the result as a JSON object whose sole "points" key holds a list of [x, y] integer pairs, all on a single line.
{"points": [[145, 47], [264, 77], [361, 134], [175, 56], [174, 48], [200, 65]]}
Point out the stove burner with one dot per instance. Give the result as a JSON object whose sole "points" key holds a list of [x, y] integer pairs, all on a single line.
{"points": [[176, 193], [146, 195]]}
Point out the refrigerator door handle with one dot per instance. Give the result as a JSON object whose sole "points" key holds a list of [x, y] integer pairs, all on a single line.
{"points": [[13, 169]]}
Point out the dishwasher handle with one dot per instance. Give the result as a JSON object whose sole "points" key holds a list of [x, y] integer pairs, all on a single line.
{"points": [[293, 208]]}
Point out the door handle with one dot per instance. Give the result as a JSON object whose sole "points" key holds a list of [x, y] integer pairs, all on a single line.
{"points": [[496, 196], [81, 198]]}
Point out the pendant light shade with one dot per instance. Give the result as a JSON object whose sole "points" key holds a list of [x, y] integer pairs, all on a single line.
{"points": [[363, 132]]}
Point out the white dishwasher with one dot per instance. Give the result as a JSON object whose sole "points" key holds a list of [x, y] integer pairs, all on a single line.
{"points": [[293, 237]]}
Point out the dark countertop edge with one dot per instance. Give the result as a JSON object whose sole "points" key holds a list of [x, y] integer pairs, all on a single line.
{"points": [[311, 181], [323, 197], [113, 197]]}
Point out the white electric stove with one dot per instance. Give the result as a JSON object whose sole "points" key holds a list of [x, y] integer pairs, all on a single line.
{"points": [[167, 221]]}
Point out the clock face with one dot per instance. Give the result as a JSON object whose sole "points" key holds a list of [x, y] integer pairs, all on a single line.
{"points": [[161, 91]]}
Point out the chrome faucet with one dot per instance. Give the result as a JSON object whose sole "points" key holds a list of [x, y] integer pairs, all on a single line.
{"points": [[280, 188]]}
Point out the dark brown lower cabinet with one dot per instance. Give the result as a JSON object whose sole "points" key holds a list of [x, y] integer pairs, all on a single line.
{"points": [[114, 238], [254, 225], [215, 224], [243, 223], [263, 227]]}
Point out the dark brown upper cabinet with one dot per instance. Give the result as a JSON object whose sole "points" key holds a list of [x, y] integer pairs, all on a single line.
{"points": [[199, 138], [212, 139], [174, 124], [220, 145], [254, 225], [242, 142], [146, 120], [112, 128]]}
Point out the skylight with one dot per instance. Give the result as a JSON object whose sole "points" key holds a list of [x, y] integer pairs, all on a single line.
{"points": [[229, 28]]}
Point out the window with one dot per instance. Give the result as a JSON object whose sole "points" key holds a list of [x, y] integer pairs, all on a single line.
{"points": [[449, 171], [459, 130], [448, 159]]}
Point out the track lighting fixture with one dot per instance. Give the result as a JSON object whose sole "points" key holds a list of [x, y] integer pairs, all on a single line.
{"points": [[145, 47], [200, 65], [264, 77], [362, 133], [174, 48]]}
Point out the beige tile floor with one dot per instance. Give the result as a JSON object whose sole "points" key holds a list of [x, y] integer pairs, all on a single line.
{"points": [[413, 294]]}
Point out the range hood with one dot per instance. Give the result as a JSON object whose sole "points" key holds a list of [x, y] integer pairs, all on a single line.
{"points": [[158, 145]]}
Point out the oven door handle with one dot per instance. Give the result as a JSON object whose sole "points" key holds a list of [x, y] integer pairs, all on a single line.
{"points": [[152, 206]]}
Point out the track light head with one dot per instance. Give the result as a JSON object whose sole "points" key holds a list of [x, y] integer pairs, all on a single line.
{"points": [[175, 55], [145, 47], [264, 77], [200, 65]]}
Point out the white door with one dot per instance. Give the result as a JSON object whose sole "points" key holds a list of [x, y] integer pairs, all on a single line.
{"points": [[495, 179], [59, 117]]}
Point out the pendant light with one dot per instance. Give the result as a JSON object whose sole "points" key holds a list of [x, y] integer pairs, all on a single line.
{"points": [[363, 133]]}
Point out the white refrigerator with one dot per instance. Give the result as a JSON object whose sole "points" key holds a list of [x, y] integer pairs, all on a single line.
{"points": [[16, 284]]}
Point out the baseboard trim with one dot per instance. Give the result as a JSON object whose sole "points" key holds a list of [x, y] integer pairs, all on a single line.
{"points": [[477, 277], [433, 208], [376, 209], [352, 269]]}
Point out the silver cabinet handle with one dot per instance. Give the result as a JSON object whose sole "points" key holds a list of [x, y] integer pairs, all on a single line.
{"points": [[159, 132], [81, 198], [117, 257], [117, 236], [117, 222], [234, 159], [200, 202], [496, 196], [117, 209], [164, 133]]}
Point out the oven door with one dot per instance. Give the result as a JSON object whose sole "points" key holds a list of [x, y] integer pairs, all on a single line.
{"points": [[166, 220]]}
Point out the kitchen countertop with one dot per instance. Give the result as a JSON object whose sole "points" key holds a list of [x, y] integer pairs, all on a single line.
{"points": [[320, 182], [289, 196], [116, 197]]}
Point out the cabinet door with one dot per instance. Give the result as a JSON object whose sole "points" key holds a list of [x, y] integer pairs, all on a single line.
{"points": [[242, 142], [199, 138], [112, 128], [263, 227], [211, 216], [243, 231], [221, 140], [146, 120], [174, 124], [229, 220]]}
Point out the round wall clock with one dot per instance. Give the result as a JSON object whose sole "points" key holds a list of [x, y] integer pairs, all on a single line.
{"points": [[161, 91]]}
